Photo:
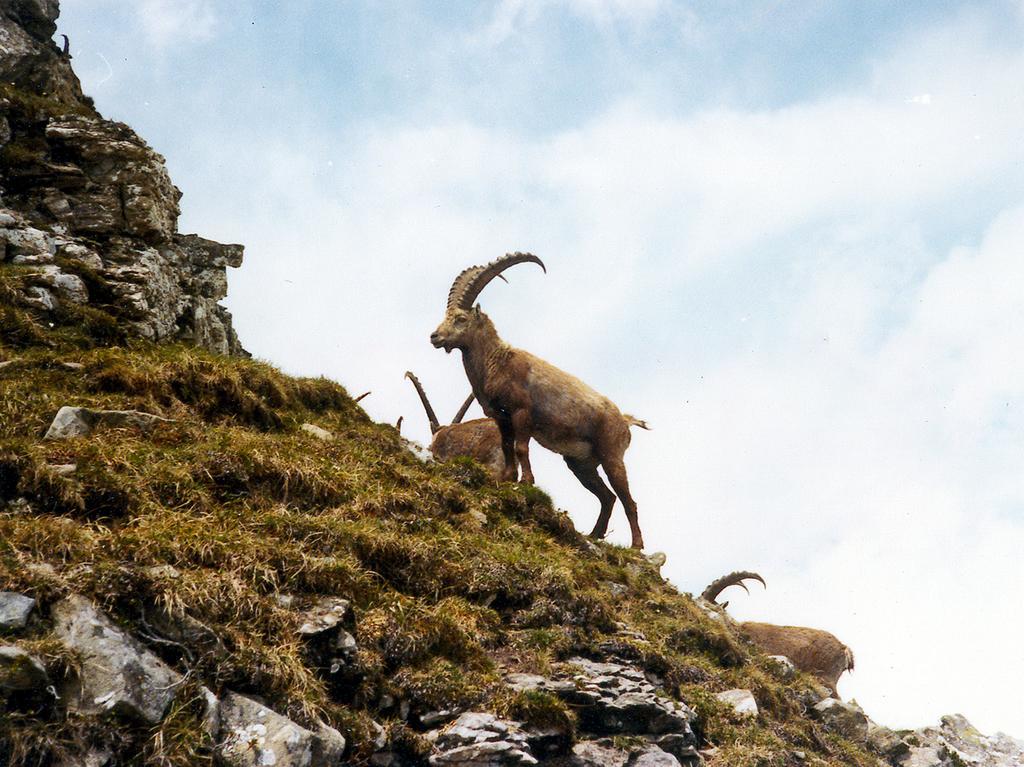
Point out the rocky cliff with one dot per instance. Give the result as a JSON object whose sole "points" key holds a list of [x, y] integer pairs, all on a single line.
{"points": [[204, 561], [87, 209]]}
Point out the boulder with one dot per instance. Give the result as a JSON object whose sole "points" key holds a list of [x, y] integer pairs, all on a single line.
{"points": [[73, 422], [67, 287], [325, 615], [680, 746], [211, 713], [742, 701], [15, 609], [847, 719], [956, 742], [484, 754], [117, 673], [254, 736], [886, 743], [328, 745], [548, 742], [478, 738], [324, 629], [613, 698], [782, 668], [20, 672], [652, 756], [27, 241], [657, 559], [592, 754], [604, 753], [434, 718], [317, 431]]}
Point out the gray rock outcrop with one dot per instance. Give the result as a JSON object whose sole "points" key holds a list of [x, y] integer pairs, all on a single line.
{"points": [[88, 208], [742, 701], [116, 673], [254, 736], [956, 742], [612, 698], [317, 431], [616, 698], [478, 738], [14, 610], [848, 719], [73, 422], [30, 56], [19, 671]]}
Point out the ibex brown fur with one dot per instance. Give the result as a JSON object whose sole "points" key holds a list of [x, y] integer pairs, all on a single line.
{"points": [[479, 439], [813, 651], [530, 398]]}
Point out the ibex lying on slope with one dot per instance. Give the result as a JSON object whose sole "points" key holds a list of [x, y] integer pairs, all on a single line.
{"points": [[813, 651], [529, 397], [478, 439]]}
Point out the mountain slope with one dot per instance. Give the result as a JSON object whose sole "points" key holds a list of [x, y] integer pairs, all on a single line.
{"points": [[190, 573]]}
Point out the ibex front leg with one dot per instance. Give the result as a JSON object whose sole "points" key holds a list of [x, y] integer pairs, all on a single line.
{"points": [[523, 428]]}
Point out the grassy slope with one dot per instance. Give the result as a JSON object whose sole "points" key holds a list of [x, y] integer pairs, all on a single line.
{"points": [[245, 506]]}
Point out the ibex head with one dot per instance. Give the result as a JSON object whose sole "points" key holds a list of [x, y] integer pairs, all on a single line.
{"points": [[462, 319]]}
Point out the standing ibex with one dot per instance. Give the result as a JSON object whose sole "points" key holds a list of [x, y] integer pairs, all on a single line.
{"points": [[529, 397], [813, 651], [479, 438]]}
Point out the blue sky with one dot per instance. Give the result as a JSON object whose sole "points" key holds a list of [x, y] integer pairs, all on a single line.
{"points": [[789, 235]]}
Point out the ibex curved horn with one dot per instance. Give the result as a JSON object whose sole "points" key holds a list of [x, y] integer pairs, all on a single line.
{"points": [[431, 416], [462, 410], [732, 579], [471, 281], [67, 46]]}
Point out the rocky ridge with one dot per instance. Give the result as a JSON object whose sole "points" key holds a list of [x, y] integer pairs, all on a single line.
{"points": [[87, 210], [612, 698]]}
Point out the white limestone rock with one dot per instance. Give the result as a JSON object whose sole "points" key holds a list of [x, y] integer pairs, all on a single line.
{"points": [[317, 431], [73, 422], [742, 701], [848, 719], [15, 609], [19, 671], [117, 673], [253, 735]]}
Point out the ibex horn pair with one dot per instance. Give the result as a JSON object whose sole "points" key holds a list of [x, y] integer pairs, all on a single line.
{"points": [[732, 579], [471, 281]]}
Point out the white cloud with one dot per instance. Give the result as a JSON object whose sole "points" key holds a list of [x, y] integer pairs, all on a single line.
{"points": [[512, 16], [836, 401], [890, 471], [166, 22]]}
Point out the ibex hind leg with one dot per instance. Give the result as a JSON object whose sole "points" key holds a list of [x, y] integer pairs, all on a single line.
{"points": [[586, 473], [616, 471]]}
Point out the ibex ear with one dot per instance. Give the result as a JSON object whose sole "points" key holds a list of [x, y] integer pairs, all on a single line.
{"points": [[476, 310]]}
